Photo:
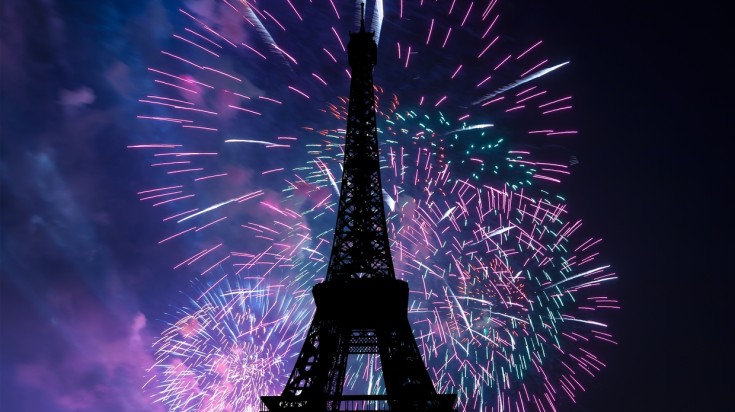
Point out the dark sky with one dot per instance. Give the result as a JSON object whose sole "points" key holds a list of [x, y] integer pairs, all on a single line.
{"points": [[657, 187], [85, 288]]}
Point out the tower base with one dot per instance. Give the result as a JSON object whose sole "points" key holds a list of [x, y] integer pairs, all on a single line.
{"points": [[368, 316], [439, 403]]}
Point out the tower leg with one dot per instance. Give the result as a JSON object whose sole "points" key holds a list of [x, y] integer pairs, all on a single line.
{"points": [[336, 378], [404, 371], [310, 377]]}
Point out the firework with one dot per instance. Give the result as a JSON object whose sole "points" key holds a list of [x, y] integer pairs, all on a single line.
{"points": [[247, 146], [227, 346], [504, 300]]}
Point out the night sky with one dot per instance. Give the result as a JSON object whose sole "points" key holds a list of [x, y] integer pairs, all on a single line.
{"points": [[85, 288]]}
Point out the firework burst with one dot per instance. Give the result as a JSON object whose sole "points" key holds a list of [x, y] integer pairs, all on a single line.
{"points": [[246, 147], [226, 347], [503, 293]]}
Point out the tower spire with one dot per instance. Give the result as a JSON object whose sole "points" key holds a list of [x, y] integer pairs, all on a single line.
{"points": [[362, 17], [361, 308]]}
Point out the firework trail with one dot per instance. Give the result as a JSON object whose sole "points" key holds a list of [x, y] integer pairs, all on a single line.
{"points": [[246, 147]]}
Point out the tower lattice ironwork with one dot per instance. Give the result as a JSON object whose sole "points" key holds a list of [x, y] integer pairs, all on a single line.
{"points": [[361, 308]]}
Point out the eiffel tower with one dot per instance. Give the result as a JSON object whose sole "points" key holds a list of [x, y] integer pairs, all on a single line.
{"points": [[361, 308]]}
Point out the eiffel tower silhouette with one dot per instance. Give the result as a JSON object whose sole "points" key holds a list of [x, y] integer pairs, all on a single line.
{"points": [[361, 308]]}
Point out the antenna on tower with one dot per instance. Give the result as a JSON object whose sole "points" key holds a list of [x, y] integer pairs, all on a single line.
{"points": [[362, 17]]}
